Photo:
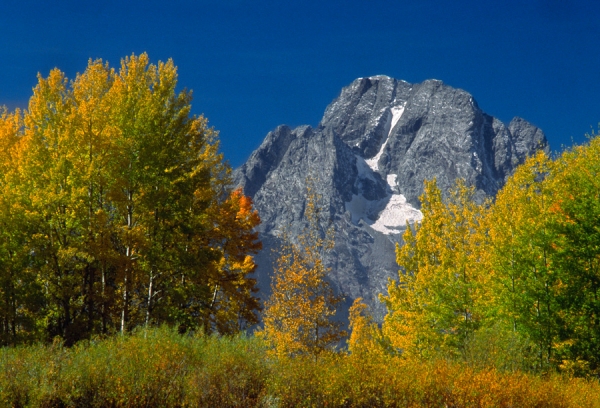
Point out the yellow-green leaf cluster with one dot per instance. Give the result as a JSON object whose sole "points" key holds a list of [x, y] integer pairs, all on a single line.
{"points": [[516, 281], [438, 303]]}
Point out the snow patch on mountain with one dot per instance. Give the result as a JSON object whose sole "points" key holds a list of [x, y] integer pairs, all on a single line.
{"points": [[397, 112], [365, 171], [388, 215], [397, 211]]}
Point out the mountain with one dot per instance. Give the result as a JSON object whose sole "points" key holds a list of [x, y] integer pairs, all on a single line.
{"points": [[367, 159]]}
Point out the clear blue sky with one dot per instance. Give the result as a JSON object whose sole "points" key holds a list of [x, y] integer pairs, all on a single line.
{"points": [[255, 64]]}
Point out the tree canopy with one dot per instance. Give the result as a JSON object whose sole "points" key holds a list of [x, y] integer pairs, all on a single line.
{"points": [[437, 305], [116, 210]]}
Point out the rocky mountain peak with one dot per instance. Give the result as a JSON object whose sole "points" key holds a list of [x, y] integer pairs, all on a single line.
{"points": [[369, 156]]}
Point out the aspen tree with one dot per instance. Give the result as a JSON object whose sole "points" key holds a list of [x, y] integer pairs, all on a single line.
{"points": [[576, 211], [525, 279], [366, 340], [298, 317], [20, 295], [436, 306]]}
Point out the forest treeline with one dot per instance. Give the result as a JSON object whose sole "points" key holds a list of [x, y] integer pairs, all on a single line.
{"points": [[116, 211], [117, 216]]}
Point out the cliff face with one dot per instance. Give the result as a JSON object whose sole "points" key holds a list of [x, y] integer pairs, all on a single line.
{"points": [[368, 157]]}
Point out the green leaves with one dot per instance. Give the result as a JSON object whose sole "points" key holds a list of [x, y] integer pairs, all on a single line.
{"points": [[522, 241]]}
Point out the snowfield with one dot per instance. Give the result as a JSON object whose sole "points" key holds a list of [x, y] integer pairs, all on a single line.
{"points": [[390, 214]]}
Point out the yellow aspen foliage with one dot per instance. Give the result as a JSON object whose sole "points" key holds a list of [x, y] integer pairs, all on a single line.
{"points": [[20, 296], [438, 302], [298, 317], [234, 305], [576, 211], [545, 260], [366, 340]]}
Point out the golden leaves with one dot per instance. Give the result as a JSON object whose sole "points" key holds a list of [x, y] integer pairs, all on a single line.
{"points": [[436, 305], [298, 315]]}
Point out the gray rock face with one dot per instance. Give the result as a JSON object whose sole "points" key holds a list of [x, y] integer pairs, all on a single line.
{"points": [[368, 157]]}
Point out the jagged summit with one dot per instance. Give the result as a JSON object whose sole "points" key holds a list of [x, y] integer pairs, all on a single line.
{"points": [[375, 145]]}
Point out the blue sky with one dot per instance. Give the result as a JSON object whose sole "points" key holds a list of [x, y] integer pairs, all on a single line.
{"points": [[254, 64]]}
